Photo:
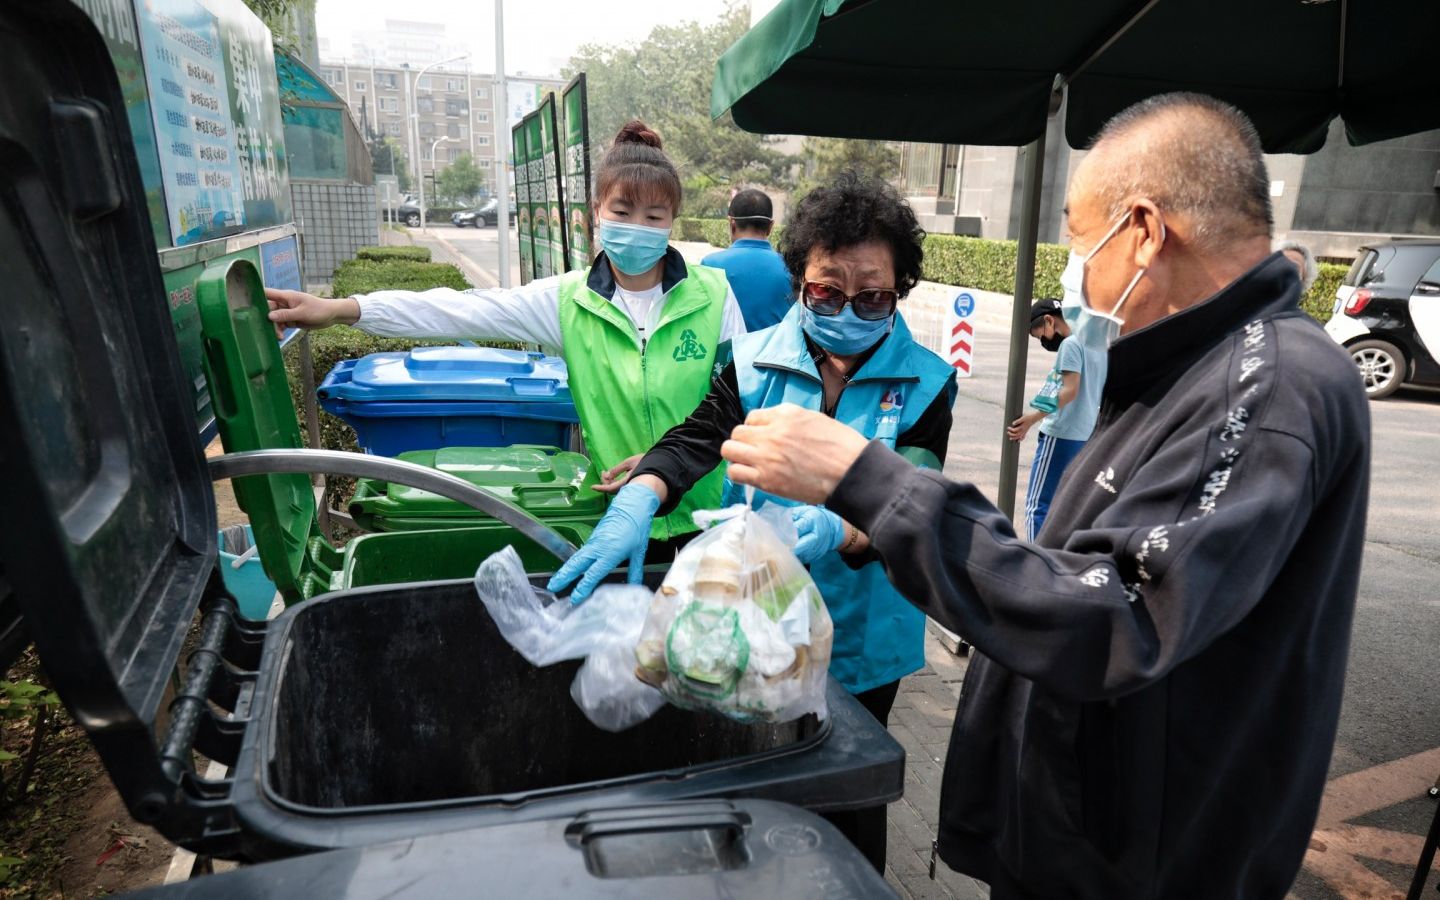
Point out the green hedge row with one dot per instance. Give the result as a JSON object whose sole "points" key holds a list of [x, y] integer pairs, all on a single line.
{"points": [[361, 276], [387, 254], [990, 265]]}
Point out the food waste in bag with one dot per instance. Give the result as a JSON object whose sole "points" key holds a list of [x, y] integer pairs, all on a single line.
{"points": [[737, 628]]}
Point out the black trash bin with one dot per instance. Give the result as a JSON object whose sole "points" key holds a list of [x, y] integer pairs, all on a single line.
{"points": [[715, 848], [353, 719]]}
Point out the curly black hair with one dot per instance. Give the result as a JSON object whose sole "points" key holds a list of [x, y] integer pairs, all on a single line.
{"points": [[851, 210]]}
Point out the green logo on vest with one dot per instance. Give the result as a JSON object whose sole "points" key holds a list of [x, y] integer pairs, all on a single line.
{"points": [[689, 347]]}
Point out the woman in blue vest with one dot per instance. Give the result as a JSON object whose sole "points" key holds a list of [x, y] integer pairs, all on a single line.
{"points": [[853, 249]]}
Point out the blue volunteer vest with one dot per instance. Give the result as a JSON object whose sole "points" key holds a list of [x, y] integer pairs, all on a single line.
{"points": [[879, 635]]}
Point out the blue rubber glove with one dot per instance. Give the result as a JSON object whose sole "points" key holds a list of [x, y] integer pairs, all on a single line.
{"points": [[622, 534], [820, 532]]}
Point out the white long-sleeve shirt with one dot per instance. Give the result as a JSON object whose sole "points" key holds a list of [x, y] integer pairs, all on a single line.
{"points": [[527, 315]]}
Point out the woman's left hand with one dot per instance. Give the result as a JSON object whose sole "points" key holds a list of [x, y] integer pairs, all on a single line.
{"points": [[612, 480], [820, 532]]}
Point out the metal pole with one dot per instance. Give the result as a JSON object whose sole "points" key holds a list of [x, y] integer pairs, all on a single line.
{"points": [[1020, 318], [502, 143], [415, 127], [434, 171]]}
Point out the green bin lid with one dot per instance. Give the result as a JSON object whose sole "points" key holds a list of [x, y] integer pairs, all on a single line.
{"points": [[546, 482], [254, 411]]}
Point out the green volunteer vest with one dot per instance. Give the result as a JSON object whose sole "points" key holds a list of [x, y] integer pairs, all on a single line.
{"points": [[628, 398]]}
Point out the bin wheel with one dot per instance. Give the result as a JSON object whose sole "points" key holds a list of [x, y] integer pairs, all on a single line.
{"points": [[1434, 792]]}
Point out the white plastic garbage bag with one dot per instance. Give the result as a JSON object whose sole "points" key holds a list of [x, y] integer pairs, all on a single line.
{"points": [[737, 627]]}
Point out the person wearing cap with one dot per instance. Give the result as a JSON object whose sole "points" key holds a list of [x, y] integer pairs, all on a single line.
{"points": [[756, 272], [1066, 408]]}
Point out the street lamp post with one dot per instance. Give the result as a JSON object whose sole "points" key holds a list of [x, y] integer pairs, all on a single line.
{"points": [[415, 126], [502, 148], [434, 170]]}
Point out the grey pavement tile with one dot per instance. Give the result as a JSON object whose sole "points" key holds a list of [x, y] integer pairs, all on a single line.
{"points": [[906, 821]]}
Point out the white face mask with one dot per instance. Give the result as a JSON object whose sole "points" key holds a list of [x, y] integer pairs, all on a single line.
{"points": [[1094, 330]]}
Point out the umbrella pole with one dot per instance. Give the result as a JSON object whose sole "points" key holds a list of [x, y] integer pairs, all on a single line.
{"points": [[1020, 318]]}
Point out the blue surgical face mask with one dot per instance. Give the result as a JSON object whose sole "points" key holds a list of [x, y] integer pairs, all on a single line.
{"points": [[845, 333], [1093, 329], [633, 249]]}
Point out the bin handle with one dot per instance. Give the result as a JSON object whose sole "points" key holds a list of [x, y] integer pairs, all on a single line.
{"points": [[361, 465], [682, 817]]}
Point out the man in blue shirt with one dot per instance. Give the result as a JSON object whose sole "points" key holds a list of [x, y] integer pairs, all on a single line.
{"points": [[1066, 408], [756, 272]]}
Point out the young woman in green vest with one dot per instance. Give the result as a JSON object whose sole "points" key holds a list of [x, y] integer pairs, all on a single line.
{"points": [[638, 329]]}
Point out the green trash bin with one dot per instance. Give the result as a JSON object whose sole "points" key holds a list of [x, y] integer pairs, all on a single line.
{"points": [[254, 411], [400, 557], [554, 485]]}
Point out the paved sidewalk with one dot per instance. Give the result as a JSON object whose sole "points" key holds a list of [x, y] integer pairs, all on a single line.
{"points": [[920, 721]]}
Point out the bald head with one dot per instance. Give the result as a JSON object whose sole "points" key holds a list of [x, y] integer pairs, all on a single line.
{"points": [[1194, 157]]}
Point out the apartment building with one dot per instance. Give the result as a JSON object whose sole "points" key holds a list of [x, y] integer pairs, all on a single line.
{"points": [[450, 102]]}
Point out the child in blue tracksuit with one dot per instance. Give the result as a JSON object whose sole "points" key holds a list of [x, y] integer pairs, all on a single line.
{"points": [[1066, 408]]}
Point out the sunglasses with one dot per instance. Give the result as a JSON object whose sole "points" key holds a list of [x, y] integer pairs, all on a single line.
{"points": [[870, 304]]}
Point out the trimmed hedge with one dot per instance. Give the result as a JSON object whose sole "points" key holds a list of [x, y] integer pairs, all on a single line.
{"points": [[387, 254], [361, 276], [990, 265]]}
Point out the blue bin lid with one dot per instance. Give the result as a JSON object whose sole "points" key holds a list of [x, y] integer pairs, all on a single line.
{"points": [[453, 373]]}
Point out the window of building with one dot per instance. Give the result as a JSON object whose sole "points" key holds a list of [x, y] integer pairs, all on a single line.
{"points": [[427, 129], [335, 77], [457, 108], [482, 93], [454, 85], [386, 80], [423, 84], [455, 131], [425, 105], [392, 128], [388, 104], [483, 163], [482, 140], [482, 118], [360, 86]]}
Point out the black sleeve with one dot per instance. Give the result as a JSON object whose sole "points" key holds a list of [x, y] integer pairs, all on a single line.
{"points": [[931, 432], [1127, 599], [691, 449]]}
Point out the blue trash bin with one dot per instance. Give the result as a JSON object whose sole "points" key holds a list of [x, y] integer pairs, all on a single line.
{"points": [[434, 397], [248, 584]]}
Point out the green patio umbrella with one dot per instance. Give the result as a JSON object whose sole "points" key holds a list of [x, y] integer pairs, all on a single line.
{"points": [[967, 72]]}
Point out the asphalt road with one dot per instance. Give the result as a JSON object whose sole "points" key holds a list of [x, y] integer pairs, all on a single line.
{"points": [[1388, 749]]}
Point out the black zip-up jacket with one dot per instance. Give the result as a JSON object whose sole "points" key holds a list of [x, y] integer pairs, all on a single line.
{"points": [[1156, 698]]}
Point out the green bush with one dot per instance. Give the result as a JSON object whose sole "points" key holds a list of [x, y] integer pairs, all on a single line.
{"points": [[361, 276], [688, 230], [716, 231], [990, 265], [387, 254], [1320, 299]]}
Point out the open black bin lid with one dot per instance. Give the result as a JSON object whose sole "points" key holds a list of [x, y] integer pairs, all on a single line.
{"points": [[715, 848], [108, 533]]}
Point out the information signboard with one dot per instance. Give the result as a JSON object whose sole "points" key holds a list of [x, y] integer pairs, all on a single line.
{"points": [[215, 107], [539, 196], [522, 200], [553, 166], [578, 212]]}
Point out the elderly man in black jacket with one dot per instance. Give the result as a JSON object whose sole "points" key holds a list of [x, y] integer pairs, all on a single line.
{"points": [[1153, 708]]}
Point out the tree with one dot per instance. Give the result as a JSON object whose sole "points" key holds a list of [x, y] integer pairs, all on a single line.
{"points": [[824, 158], [665, 80], [460, 181], [282, 18], [387, 157]]}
